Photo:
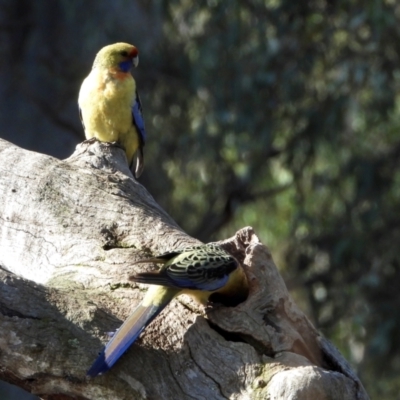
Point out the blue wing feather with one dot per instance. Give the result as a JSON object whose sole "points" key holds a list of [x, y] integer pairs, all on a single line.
{"points": [[181, 282], [210, 285], [138, 120], [124, 338]]}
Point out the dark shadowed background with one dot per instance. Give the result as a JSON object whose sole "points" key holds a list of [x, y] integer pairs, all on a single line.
{"points": [[280, 114]]}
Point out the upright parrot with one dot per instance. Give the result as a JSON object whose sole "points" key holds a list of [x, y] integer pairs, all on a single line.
{"points": [[199, 271], [109, 103]]}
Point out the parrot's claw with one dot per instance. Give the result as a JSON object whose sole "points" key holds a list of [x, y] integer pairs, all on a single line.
{"points": [[91, 140]]}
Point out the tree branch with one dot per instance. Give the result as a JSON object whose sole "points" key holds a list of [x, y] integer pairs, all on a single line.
{"points": [[70, 231]]}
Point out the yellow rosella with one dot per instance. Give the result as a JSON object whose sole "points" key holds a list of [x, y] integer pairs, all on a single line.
{"points": [[199, 271], [109, 103]]}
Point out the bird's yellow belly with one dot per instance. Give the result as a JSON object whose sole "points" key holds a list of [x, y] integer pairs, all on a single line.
{"points": [[107, 114]]}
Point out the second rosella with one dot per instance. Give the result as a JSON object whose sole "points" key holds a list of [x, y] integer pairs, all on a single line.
{"points": [[109, 103], [203, 272]]}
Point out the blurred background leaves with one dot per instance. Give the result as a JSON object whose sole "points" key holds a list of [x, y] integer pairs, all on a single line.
{"points": [[278, 114]]}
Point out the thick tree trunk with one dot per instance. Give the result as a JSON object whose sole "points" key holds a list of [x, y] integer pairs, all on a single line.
{"points": [[70, 231]]}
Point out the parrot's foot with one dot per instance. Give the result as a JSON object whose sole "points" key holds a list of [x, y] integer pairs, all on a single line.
{"points": [[94, 140], [91, 140]]}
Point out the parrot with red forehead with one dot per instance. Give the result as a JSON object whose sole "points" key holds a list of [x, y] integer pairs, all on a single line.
{"points": [[205, 272], [109, 103]]}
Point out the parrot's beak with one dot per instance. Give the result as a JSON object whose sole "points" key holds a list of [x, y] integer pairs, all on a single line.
{"points": [[135, 61]]}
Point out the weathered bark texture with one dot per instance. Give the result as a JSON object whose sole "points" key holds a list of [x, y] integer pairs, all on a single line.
{"points": [[69, 232]]}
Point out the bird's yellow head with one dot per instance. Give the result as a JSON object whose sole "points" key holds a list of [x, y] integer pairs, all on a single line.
{"points": [[120, 56]]}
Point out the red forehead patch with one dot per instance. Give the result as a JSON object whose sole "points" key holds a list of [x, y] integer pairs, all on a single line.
{"points": [[134, 52]]}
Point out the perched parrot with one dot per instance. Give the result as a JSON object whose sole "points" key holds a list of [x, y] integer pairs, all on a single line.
{"points": [[109, 103], [199, 271]]}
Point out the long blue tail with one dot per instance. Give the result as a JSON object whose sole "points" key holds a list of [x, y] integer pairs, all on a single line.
{"points": [[124, 337]]}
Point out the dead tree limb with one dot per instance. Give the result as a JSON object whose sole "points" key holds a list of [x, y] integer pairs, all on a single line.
{"points": [[69, 232]]}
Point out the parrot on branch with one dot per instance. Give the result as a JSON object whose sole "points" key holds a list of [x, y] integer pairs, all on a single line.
{"points": [[199, 271], [109, 103]]}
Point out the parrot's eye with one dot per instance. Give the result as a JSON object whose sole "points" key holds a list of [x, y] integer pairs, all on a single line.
{"points": [[124, 53]]}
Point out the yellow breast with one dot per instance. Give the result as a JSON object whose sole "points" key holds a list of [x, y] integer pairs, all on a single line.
{"points": [[106, 100]]}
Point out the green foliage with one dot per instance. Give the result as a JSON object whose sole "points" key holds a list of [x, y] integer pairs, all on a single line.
{"points": [[292, 119]]}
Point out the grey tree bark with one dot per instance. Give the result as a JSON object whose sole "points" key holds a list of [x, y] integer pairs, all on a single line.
{"points": [[69, 233]]}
